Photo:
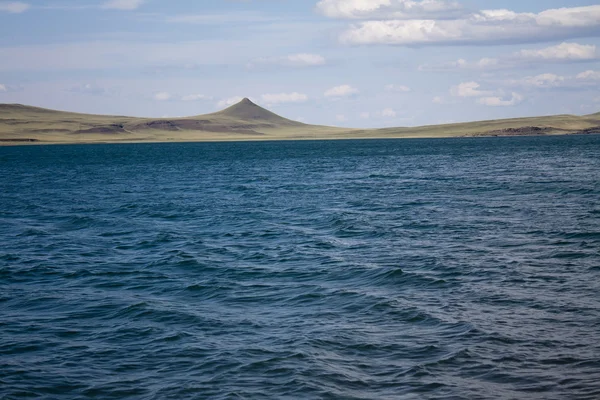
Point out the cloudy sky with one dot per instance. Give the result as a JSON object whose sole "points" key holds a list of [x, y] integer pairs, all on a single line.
{"points": [[360, 63]]}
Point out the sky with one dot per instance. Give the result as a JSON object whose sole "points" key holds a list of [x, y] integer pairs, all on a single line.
{"points": [[356, 63]]}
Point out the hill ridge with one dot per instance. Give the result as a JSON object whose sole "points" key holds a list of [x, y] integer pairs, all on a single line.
{"points": [[246, 120]]}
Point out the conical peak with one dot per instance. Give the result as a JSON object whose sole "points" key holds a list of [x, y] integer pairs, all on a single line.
{"points": [[247, 110], [244, 104]]}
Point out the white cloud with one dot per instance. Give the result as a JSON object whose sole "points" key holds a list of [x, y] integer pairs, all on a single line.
{"points": [[438, 100], [397, 88], [496, 101], [230, 101], [388, 113], [468, 89], [4, 88], [195, 97], [385, 113], [487, 26], [589, 75], [278, 98], [574, 17], [462, 64], [88, 88], [561, 52], [218, 19], [14, 7], [544, 81], [305, 59], [162, 96], [292, 60], [584, 81], [341, 91], [387, 9], [486, 63], [341, 118], [485, 97], [122, 4]]}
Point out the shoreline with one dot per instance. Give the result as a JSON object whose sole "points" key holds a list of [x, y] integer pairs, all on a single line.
{"points": [[36, 142]]}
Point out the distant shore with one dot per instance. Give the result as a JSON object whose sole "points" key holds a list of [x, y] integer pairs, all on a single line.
{"points": [[36, 142], [246, 121]]}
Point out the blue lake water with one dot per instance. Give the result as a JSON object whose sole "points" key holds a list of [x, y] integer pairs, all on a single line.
{"points": [[387, 269]]}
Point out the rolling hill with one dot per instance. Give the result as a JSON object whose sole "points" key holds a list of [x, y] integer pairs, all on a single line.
{"points": [[246, 121]]}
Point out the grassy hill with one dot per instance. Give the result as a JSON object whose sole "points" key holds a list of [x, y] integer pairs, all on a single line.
{"points": [[246, 121]]}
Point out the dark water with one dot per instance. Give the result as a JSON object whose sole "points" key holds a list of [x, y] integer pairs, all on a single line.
{"points": [[410, 269]]}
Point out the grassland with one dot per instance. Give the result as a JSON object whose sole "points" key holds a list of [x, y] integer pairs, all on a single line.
{"points": [[21, 124]]}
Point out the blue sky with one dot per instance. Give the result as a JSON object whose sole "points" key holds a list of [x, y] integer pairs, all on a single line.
{"points": [[359, 63]]}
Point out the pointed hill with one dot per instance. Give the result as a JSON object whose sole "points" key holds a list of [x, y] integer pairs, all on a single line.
{"points": [[244, 117], [246, 110]]}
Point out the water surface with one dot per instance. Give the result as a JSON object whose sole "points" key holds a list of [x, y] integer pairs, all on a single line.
{"points": [[400, 269]]}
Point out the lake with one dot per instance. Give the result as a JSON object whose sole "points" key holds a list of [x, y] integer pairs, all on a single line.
{"points": [[361, 269]]}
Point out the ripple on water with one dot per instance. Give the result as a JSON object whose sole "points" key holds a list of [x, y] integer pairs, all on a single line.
{"points": [[409, 269]]}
